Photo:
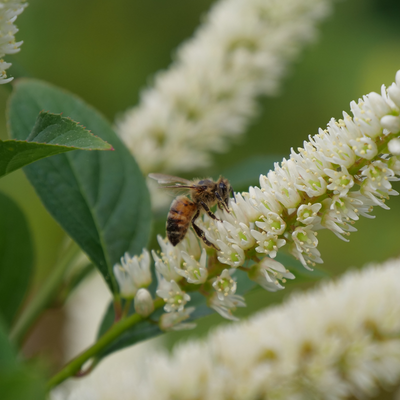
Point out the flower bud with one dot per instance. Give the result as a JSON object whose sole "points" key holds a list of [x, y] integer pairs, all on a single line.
{"points": [[394, 147], [144, 303], [391, 123]]}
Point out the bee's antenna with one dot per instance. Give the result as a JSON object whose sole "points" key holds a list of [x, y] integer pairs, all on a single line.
{"points": [[232, 193]]}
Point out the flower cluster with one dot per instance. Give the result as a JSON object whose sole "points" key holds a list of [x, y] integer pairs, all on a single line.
{"points": [[209, 94], [9, 11], [133, 273], [352, 350], [338, 175]]}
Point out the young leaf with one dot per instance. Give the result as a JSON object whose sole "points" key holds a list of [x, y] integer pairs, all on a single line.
{"points": [[99, 198], [51, 135], [16, 258]]}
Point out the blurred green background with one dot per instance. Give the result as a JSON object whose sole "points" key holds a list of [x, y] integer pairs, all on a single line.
{"points": [[106, 52]]}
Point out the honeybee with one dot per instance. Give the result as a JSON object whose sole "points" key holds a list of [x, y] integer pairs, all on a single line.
{"points": [[204, 193]]}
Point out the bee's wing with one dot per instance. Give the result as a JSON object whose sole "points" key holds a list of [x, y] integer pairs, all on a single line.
{"points": [[163, 179]]}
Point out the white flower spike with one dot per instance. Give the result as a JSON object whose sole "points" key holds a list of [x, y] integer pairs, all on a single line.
{"points": [[338, 175], [209, 93], [306, 348], [9, 11]]}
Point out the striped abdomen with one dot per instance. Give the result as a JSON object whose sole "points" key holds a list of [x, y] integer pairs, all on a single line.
{"points": [[179, 218]]}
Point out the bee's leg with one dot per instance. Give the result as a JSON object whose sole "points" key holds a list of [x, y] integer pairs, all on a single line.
{"points": [[232, 193], [200, 233], [208, 211], [218, 196]]}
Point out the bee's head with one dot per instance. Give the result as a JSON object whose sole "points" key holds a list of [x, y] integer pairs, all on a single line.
{"points": [[224, 190]]}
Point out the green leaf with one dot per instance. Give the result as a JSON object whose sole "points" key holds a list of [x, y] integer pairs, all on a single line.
{"points": [[51, 135], [99, 198], [8, 355], [16, 258], [17, 381]]}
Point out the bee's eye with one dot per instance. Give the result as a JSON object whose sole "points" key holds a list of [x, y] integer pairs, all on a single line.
{"points": [[204, 187], [222, 187]]}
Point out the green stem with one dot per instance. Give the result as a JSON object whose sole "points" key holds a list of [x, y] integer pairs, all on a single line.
{"points": [[126, 308], [44, 296], [75, 365]]}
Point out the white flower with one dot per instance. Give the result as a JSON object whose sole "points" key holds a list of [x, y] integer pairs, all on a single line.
{"points": [[337, 341], [341, 182], [281, 186], [175, 298], [225, 306], [9, 10], [268, 273], [334, 150], [144, 303], [209, 93], [336, 220], [273, 223], [394, 147], [309, 257], [244, 203], [138, 267], [261, 199], [379, 176], [376, 186], [311, 183], [309, 179], [236, 224], [190, 244], [307, 213], [239, 234], [194, 271], [230, 254], [310, 159], [368, 112], [170, 260], [364, 147], [172, 321], [347, 208], [133, 273], [224, 284], [126, 285], [304, 238], [268, 243]]}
